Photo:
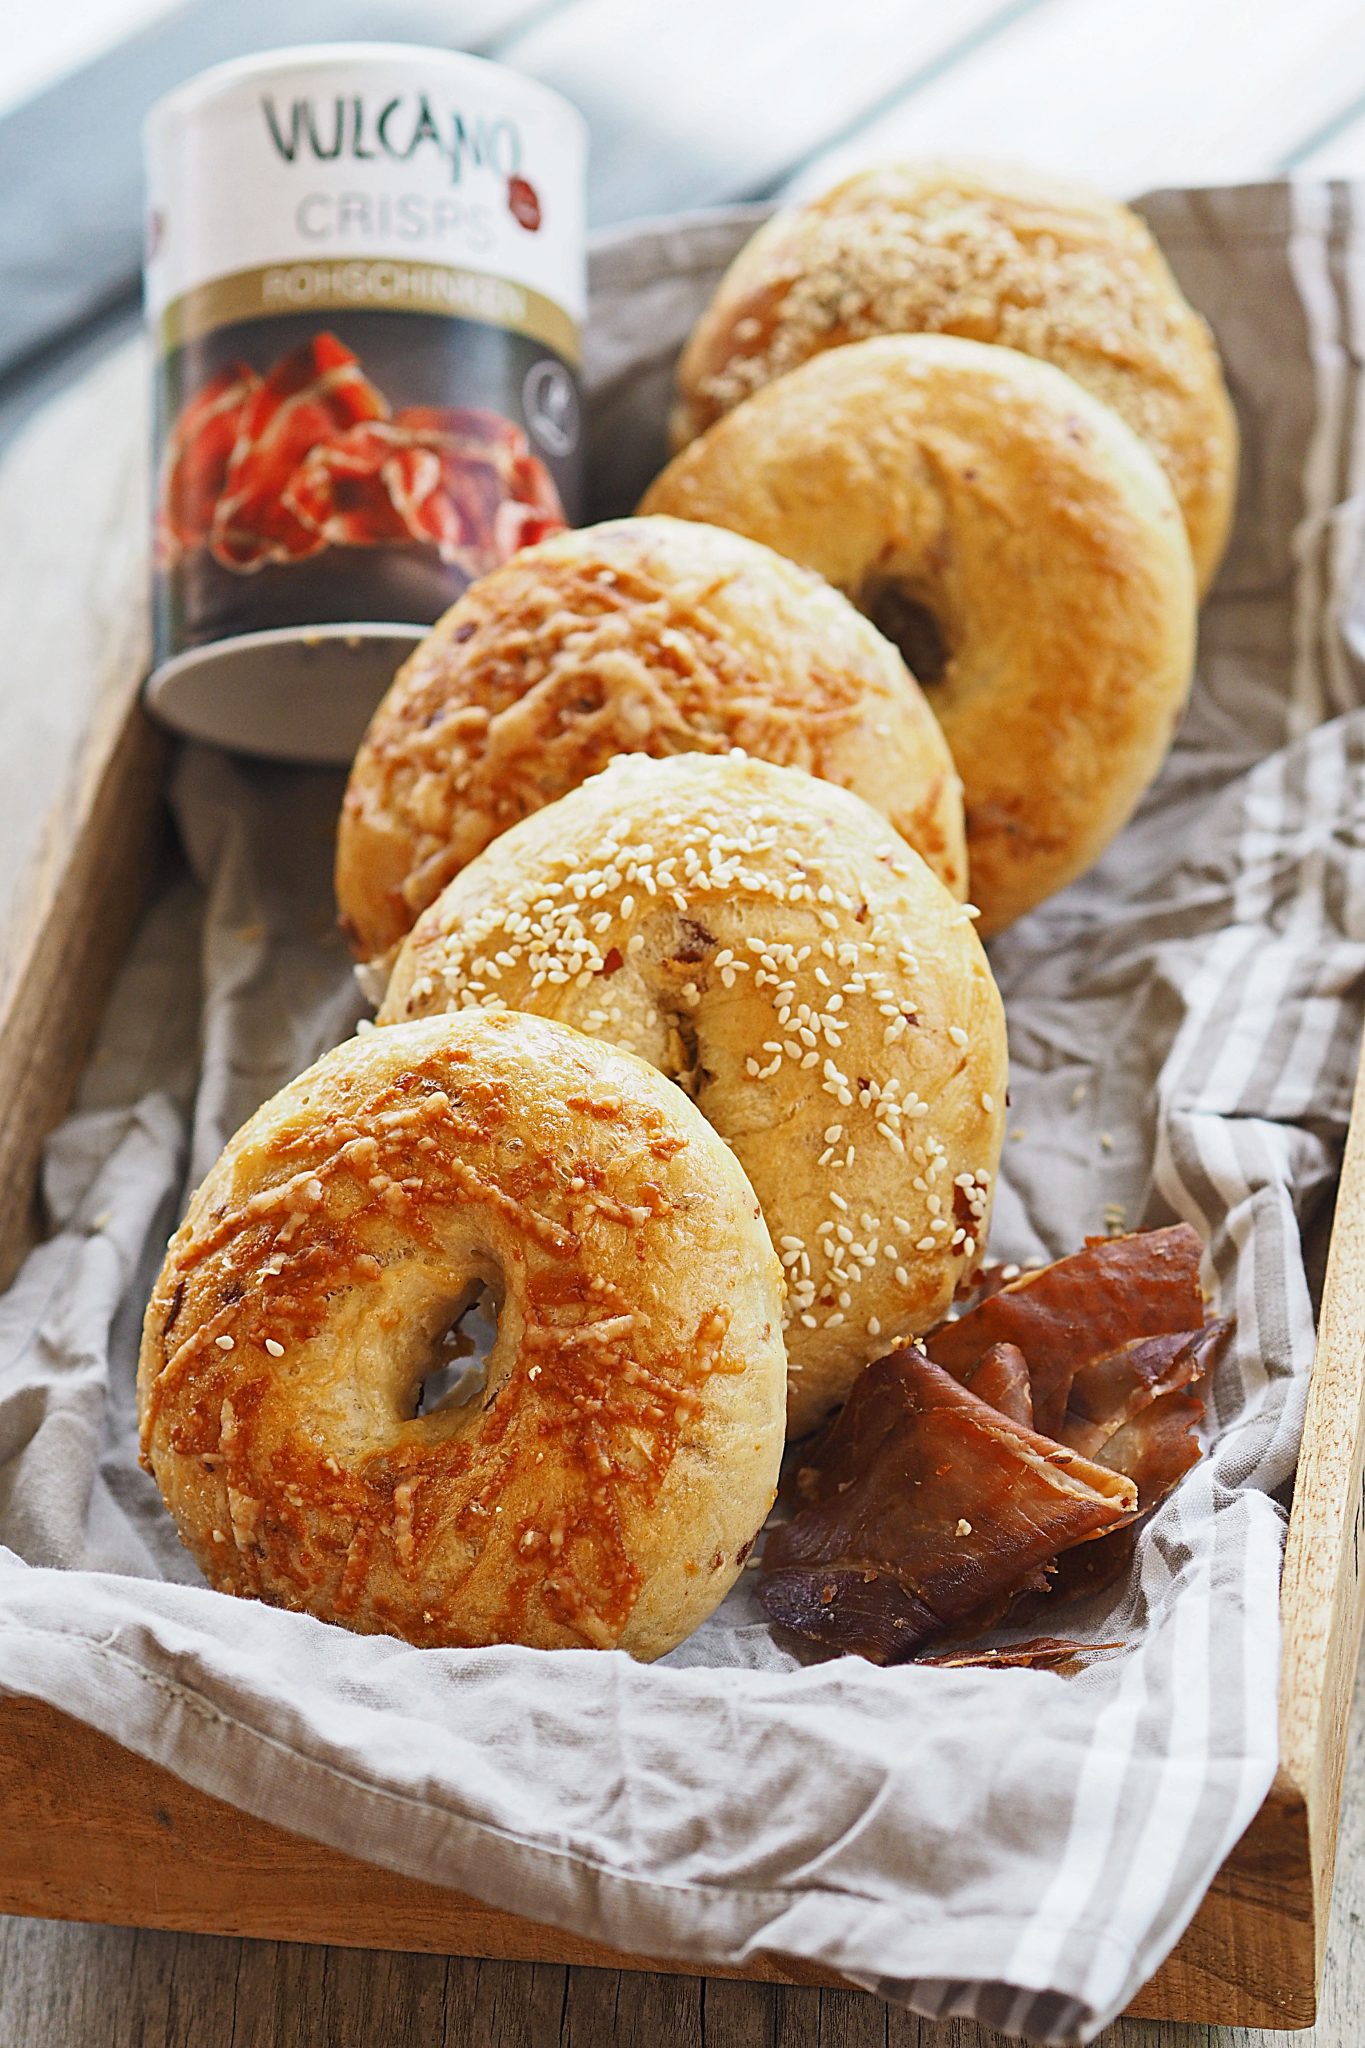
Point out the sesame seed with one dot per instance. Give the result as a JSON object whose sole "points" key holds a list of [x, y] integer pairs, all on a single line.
{"points": [[274, 1347], [224, 1343]]}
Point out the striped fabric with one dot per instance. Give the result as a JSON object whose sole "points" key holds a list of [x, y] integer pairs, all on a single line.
{"points": [[1013, 1846]]}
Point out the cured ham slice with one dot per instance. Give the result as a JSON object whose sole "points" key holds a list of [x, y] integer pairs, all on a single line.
{"points": [[429, 475], [1067, 1317], [374, 483], [924, 1508], [276, 469], [198, 452], [310, 396], [500, 496]]}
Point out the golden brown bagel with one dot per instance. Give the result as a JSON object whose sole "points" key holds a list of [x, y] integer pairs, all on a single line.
{"points": [[603, 1489], [642, 636], [767, 940], [993, 254], [1034, 528]]}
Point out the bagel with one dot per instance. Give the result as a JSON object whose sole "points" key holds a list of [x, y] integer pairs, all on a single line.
{"points": [[604, 1489], [770, 943], [641, 636], [994, 255], [935, 478]]}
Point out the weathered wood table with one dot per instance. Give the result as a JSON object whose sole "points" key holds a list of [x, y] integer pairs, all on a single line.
{"points": [[688, 106]]}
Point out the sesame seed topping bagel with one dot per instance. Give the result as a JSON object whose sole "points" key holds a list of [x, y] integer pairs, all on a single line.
{"points": [[994, 506], [766, 940], [641, 636], [993, 254], [603, 1488]]}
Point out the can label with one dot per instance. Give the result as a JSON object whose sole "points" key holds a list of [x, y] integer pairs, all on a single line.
{"points": [[365, 285]]}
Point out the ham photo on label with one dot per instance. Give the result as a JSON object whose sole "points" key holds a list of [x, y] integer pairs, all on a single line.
{"points": [[365, 284]]}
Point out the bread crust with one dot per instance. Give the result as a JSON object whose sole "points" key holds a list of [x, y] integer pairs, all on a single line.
{"points": [[994, 254], [604, 1488], [768, 941], [652, 636], [1037, 531]]}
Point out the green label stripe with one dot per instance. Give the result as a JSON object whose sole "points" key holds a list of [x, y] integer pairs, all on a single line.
{"points": [[372, 284]]}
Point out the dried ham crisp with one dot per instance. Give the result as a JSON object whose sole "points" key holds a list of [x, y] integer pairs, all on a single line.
{"points": [[937, 1499], [1156, 1449], [1039, 1653], [1000, 1376], [925, 1507], [1066, 1317]]}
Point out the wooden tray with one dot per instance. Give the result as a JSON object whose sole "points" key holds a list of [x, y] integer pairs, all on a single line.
{"points": [[90, 1832]]}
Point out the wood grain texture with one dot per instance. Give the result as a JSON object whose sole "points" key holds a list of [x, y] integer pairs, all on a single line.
{"points": [[69, 1986], [80, 767], [89, 1831], [1321, 1598]]}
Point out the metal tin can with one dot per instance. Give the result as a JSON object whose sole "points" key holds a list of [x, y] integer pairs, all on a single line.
{"points": [[365, 283]]}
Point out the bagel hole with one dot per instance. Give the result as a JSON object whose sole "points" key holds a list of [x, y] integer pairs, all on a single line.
{"points": [[458, 1371], [911, 628]]}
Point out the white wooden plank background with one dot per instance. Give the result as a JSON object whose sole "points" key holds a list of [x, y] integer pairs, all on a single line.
{"points": [[720, 98], [690, 105], [1339, 153], [1130, 94], [40, 44]]}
